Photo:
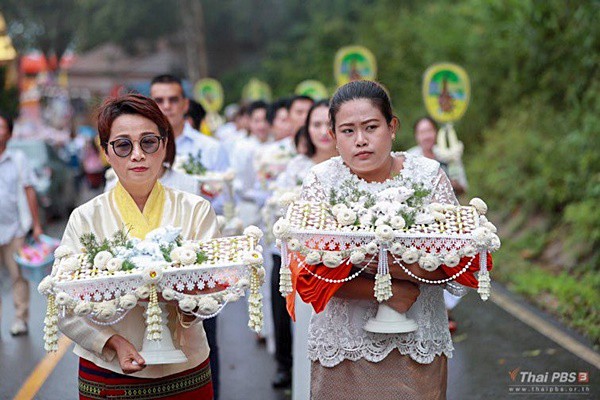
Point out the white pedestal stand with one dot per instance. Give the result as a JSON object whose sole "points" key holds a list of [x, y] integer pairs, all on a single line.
{"points": [[162, 351], [389, 320]]}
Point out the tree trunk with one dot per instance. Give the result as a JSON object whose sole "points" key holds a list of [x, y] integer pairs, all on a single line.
{"points": [[194, 39]]}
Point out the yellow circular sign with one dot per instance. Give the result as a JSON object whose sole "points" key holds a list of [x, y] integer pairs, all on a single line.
{"points": [[446, 92], [353, 63], [313, 89], [209, 93], [256, 89]]}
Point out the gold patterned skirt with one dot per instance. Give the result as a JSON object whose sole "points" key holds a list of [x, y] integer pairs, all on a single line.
{"points": [[396, 377]]}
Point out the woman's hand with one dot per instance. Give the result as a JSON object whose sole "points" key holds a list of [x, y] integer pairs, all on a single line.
{"points": [[129, 359], [398, 273], [404, 295]]}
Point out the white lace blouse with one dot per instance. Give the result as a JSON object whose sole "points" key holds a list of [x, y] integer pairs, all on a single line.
{"points": [[337, 333]]}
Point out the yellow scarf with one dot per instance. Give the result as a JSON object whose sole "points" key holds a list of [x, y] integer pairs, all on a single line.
{"points": [[140, 222]]}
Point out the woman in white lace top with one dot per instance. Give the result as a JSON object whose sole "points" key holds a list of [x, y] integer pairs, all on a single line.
{"points": [[347, 361]]}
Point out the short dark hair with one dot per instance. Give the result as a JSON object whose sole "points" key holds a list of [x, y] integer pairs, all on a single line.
{"points": [[168, 78], [299, 97], [9, 121], [257, 105], [355, 90], [310, 145], [197, 113], [134, 104], [425, 118], [276, 106]]}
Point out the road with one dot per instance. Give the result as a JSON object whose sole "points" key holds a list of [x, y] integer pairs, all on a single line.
{"points": [[490, 344]]}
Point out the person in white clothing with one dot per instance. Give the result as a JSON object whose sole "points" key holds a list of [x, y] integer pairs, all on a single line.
{"points": [[18, 213]]}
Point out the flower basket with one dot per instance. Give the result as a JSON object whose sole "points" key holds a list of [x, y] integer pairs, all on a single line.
{"points": [[35, 259]]}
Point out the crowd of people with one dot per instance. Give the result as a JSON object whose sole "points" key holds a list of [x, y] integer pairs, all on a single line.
{"points": [[315, 334]]}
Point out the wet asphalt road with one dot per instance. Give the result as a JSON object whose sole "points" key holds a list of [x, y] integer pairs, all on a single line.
{"points": [[489, 344]]}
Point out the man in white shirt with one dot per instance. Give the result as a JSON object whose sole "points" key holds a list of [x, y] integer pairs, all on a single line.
{"points": [[18, 210]]}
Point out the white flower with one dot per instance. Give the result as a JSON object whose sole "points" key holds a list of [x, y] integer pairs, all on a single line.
{"points": [[63, 251], [152, 273], [312, 258], [243, 283], [410, 256], [397, 222], [480, 235], [494, 242], [396, 248], [62, 299], [288, 198], [105, 310], [175, 255], [395, 194], [115, 264], [490, 226], [429, 262], [83, 308], [436, 207], [294, 245], [371, 248], [338, 208], [469, 251], [479, 205], [381, 221], [253, 258], [366, 218], [254, 232], [332, 259], [384, 233], [128, 301], [187, 304], [438, 216], [357, 257], [346, 217], [207, 305], [281, 229], [260, 271], [142, 292], [451, 260], [168, 294], [187, 256], [45, 285], [101, 259], [424, 219], [70, 264]]}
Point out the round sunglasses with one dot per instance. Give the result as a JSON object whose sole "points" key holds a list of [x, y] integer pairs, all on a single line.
{"points": [[149, 144]]}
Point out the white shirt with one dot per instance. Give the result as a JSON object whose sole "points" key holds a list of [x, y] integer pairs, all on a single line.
{"points": [[12, 183], [214, 156]]}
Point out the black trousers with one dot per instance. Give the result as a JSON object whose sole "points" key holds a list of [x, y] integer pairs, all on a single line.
{"points": [[281, 320], [210, 327]]}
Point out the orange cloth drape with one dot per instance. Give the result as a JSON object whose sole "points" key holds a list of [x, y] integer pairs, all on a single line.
{"points": [[468, 277]]}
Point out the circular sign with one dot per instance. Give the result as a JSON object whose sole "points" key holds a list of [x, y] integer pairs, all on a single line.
{"points": [[353, 63], [446, 92], [209, 93], [313, 89], [255, 90]]}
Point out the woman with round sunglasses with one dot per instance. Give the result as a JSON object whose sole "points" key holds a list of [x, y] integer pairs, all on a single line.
{"points": [[135, 136]]}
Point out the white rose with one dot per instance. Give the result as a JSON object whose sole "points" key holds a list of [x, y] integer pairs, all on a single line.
{"points": [[168, 294], [142, 292], [481, 236], [281, 229], [429, 262], [381, 221], [253, 258], [115, 264], [70, 264], [254, 232], [357, 257], [436, 207], [492, 228], [366, 219], [175, 255], [384, 233], [288, 198], [101, 259], [312, 258], [396, 248], [152, 274], [410, 256], [127, 301], [338, 208], [479, 205], [45, 285], [438, 216], [451, 260], [208, 305], [469, 251], [346, 217], [243, 283], [397, 222], [260, 271], [83, 308], [62, 299], [294, 245], [371, 248], [187, 256], [332, 259], [105, 311], [424, 219], [63, 251], [494, 242], [187, 304]]}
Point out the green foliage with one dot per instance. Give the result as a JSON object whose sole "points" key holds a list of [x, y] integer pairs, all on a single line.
{"points": [[193, 165], [201, 257], [128, 265]]}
